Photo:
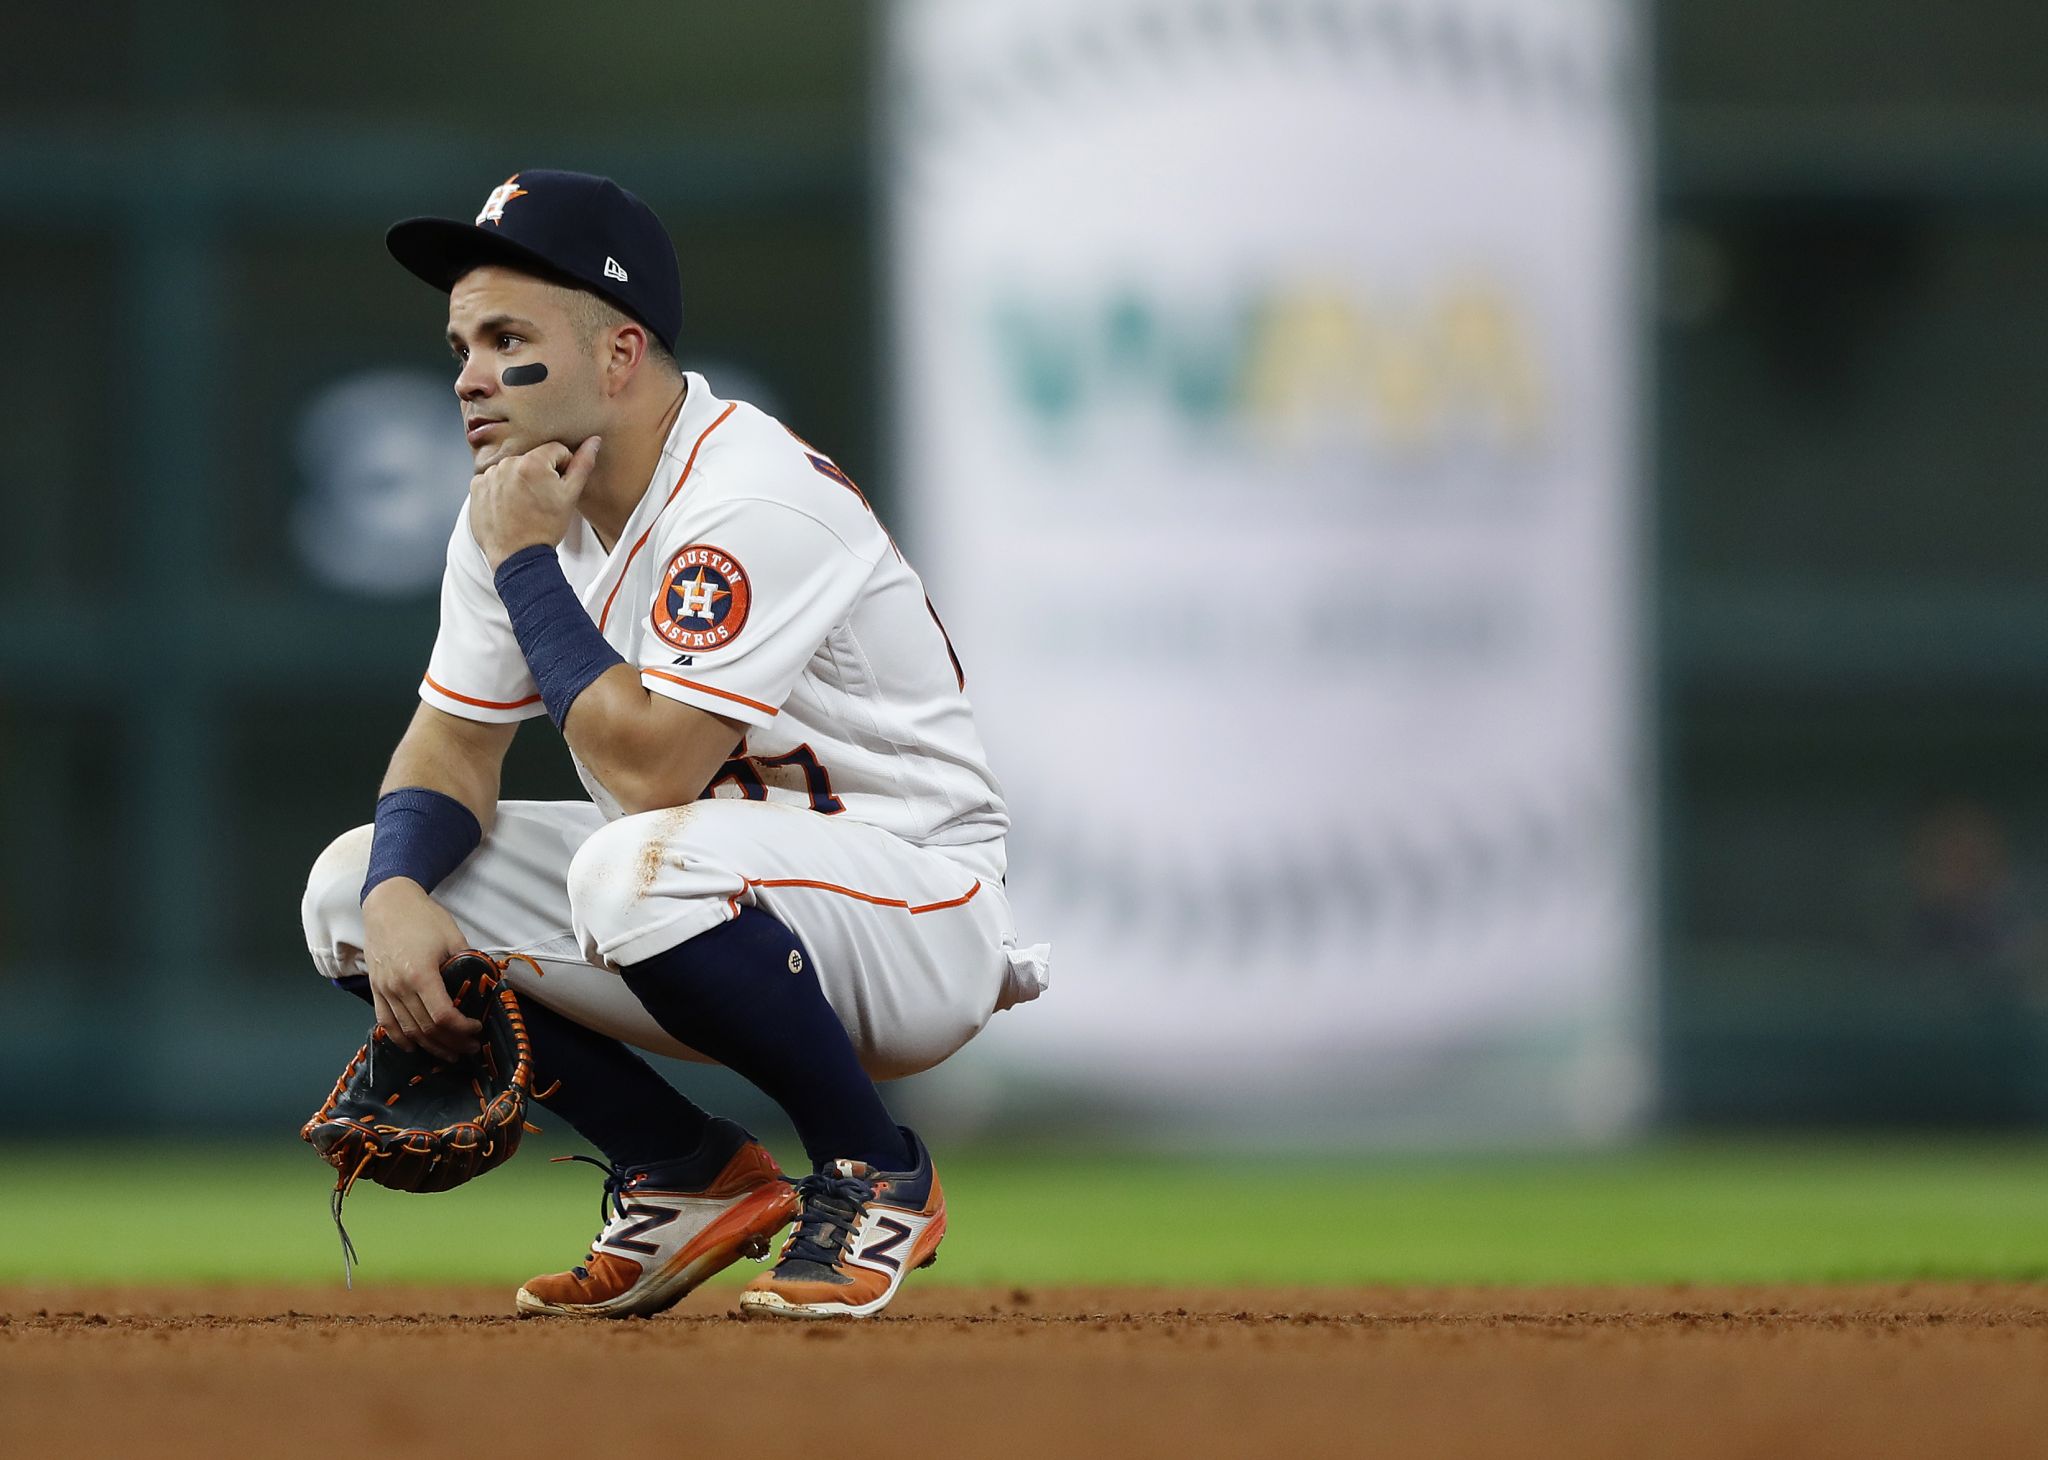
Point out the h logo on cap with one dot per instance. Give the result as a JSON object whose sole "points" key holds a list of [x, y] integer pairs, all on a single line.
{"points": [[494, 205]]}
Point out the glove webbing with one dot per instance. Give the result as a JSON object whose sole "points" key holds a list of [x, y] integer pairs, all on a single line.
{"points": [[494, 1114]]}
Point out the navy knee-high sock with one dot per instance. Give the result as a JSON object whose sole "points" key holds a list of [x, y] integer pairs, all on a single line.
{"points": [[747, 995], [610, 1096]]}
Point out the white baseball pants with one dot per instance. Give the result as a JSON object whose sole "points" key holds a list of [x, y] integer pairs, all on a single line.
{"points": [[914, 947]]}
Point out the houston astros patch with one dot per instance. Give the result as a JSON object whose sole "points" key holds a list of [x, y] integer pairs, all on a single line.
{"points": [[703, 599]]}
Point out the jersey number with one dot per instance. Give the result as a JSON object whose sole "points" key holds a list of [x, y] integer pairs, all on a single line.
{"points": [[744, 771]]}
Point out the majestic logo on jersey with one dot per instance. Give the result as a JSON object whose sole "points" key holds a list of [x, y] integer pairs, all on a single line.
{"points": [[494, 205], [703, 599]]}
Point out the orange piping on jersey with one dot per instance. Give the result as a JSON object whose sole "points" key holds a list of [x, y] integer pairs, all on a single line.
{"points": [[724, 694], [480, 704], [606, 615], [967, 896], [827, 887]]}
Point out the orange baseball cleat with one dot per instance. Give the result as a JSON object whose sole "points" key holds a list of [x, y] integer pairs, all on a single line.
{"points": [[659, 1242], [859, 1232]]}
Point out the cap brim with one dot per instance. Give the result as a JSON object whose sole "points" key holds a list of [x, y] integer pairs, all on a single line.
{"points": [[441, 250]]}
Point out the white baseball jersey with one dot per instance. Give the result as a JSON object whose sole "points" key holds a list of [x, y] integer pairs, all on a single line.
{"points": [[754, 581]]}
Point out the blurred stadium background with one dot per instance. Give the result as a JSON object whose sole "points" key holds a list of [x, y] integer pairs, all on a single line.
{"points": [[1800, 269]]}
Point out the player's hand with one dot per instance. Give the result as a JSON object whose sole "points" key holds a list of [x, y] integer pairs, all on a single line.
{"points": [[529, 500], [407, 936]]}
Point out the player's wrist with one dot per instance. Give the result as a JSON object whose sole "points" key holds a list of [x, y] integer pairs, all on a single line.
{"points": [[499, 557], [565, 652], [392, 891], [421, 836]]}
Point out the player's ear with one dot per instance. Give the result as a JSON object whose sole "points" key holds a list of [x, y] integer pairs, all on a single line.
{"points": [[627, 352]]}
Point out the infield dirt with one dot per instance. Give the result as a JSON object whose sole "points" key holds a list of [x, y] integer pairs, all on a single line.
{"points": [[1916, 1369]]}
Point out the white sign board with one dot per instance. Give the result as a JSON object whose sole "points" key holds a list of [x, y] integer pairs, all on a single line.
{"points": [[1266, 384]]}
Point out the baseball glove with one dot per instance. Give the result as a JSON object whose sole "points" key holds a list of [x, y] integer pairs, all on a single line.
{"points": [[408, 1121]]}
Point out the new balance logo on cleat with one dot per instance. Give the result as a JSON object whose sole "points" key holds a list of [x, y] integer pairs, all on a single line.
{"points": [[638, 1220], [880, 1237]]}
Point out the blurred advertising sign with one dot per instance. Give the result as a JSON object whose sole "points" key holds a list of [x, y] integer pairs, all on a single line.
{"points": [[383, 469], [1267, 396]]}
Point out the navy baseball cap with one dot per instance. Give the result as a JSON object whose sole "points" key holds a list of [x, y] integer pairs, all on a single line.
{"points": [[584, 229]]}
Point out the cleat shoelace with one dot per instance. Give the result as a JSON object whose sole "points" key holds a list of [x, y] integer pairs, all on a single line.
{"points": [[610, 1205], [831, 1210]]}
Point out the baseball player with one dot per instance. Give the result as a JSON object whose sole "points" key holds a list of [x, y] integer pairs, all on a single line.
{"points": [[792, 858]]}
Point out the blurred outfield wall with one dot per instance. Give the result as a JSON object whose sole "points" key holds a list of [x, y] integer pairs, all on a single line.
{"points": [[1266, 420], [1851, 622]]}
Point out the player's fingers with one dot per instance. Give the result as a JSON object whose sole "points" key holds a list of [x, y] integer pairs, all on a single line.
{"points": [[420, 1028], [439, 1046], [452, 1047], [550, 454], [581, 464], [416, 1019], [389, 1020], [454, 1033], [424, 1032], [400, 1027], [448, 1030], [385, 1001]]}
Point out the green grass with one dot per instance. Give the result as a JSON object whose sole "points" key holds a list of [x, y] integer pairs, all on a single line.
{"points": [[1715, 1212]]}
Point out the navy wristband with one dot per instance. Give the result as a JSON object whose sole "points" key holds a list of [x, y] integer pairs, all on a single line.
{"points": [[420, 834], [564, 651]]}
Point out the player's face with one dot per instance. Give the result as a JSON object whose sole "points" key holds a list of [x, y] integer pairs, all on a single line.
{"points": [[524, 376]]}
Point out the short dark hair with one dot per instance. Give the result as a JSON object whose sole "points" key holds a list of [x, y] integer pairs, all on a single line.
{"points": [[594, 312]]}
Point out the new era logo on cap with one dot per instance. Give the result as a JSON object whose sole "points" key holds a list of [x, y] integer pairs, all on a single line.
{"points": [[612, 269]]}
